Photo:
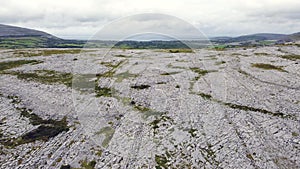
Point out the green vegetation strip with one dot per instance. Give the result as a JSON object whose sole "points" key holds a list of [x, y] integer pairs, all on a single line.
{"points": [[220, 47], [200, 72], [147, 112], [187, 50], [247, 108], [88, 165], [82, 82], [103, 91], [112, 71], [291, 57], [161, 161], [46, 77], [22, 42], [32, 53], [261, 54], [17, 63], [267, 66]]}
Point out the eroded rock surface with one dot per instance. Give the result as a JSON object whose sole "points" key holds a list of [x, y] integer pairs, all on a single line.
{"points": [[238, 108]]}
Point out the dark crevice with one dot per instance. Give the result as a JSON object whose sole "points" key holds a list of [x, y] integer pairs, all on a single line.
{"points": [[247, 108], [47, 128]]}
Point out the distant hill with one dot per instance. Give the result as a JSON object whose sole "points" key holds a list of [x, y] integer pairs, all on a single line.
{"points": [[18, 37], [295, 36], [154, 44], [13, 31], [259, 37]]}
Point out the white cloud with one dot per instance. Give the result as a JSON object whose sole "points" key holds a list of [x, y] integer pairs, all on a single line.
{"points": [[69, 18]]}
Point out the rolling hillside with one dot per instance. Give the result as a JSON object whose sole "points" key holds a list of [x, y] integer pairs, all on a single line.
{"points": [[17, 37], [259, 37], [13, 31]]}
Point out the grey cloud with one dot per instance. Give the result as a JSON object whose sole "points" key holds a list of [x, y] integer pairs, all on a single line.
{"points": [[213, 17], [154, 23]]}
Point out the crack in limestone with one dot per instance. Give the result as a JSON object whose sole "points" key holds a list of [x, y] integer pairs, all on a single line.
{"points": [[246, 108]]}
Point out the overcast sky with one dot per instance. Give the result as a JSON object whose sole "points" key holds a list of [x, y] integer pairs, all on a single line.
{"points": [[80, 19]]}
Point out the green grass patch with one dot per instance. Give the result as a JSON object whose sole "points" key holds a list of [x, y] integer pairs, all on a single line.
{"points": [[261, 54], [22, 42], [200, 72], [103, 91], [124, 100], [249, 156], [109, 73], [141, 108], [295, 134], [161, 162], [265, 42], [33, 118], [147, 112], [205, 96], [180, 50], [219, 47], [267, 66], [13, 64], [99, 153], [112, 65], [46, 52], [112, 71], [236, 54], [290, 57], [88, 165], [159, 119], [46, 77]]}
